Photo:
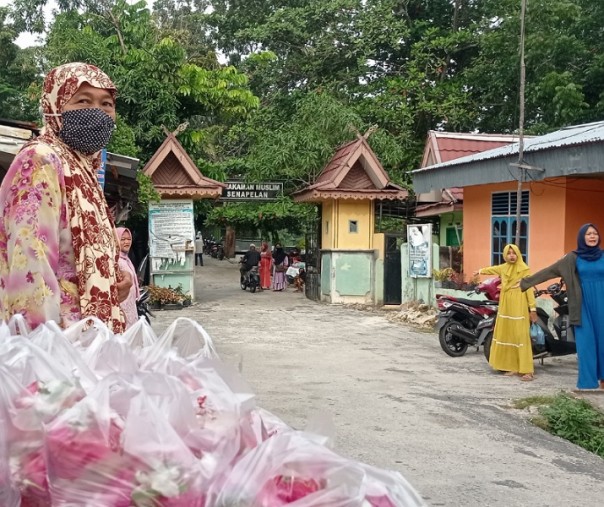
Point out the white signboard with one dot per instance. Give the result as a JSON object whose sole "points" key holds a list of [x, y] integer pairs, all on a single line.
{"points": [[171, 228], [419, 238]]}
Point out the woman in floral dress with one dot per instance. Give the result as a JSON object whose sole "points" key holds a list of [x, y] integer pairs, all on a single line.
{"points": [[58, 246]]}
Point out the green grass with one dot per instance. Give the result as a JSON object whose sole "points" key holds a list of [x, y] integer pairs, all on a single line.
{"points": [[533, 401], [573, 419]]}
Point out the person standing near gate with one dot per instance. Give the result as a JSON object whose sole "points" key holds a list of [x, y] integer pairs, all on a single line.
{"points": [[199, 249]]}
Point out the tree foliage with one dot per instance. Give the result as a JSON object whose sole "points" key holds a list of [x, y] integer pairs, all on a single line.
{"points": [[304, 76]]}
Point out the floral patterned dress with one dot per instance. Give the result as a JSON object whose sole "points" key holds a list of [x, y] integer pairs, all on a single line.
{"points": [[58, 246], [37, 266]]}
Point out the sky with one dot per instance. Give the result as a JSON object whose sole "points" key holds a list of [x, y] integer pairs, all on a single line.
{"points": [[28, 39]]}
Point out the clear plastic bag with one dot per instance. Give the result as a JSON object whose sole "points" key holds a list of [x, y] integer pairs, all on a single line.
{"points": [[86, 464], [185, 335], [290, 469], [171, 475], [111, 356], [22, 463], [386, 488], [140, 336], [50, 338]]}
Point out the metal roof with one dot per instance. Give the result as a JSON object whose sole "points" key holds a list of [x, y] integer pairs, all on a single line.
{"points": [[556, 153]]}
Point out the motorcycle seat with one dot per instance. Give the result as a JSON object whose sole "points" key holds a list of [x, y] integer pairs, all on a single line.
{"points": [[475, 302]]}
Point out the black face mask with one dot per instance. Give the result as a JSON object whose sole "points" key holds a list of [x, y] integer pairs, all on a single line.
{"points": [[86, 130]]}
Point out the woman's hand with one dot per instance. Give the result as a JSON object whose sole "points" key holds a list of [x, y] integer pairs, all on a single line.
{"points": [[123, 286], [533, 316]]}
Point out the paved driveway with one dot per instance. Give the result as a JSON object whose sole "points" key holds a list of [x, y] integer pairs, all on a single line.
{"points": [[397, 400]]}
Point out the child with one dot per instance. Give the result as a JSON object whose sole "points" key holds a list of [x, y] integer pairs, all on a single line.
{"points": [[511, 350]]}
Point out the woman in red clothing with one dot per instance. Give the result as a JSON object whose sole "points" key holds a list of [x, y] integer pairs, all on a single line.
{"points": [[266, 264]]}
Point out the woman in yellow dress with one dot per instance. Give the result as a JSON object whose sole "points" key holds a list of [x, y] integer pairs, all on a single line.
{"points": [[511, 350]]}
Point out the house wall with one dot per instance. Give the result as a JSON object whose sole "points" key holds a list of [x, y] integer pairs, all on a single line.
{"points": [[447, 220], [327, 227], [585, 198], [556, 213], [360, 211]]}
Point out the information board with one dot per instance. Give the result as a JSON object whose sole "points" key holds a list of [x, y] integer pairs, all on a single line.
{"points": [[419, 238], [171, 228]]}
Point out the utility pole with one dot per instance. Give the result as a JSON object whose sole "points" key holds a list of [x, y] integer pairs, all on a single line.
{"points": [[521, 169]]}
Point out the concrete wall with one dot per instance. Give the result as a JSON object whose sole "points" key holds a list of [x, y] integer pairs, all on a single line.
{"points": [[417, 289]]}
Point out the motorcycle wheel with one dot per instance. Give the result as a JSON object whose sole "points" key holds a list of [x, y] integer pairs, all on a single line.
{"points": [[452, 345], [253, 288], [488, 341]]}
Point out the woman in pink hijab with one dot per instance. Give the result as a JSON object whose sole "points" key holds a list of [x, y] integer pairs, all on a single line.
{"points": [[129, 304]]}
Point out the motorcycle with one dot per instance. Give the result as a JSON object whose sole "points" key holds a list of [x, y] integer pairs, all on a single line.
{"points": [[142, 304], [217, 250], [467, 322], [251, 279], [563, 344]]}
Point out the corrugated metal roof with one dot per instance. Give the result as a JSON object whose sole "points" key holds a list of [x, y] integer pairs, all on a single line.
{"points": [[574, 151], [570, 136]]}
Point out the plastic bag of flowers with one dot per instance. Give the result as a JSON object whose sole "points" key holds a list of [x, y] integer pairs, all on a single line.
{"points": [[171, 476], [9, 493], [85, 460], [52, 389], [83, 333], [22, 464], [217, 411], [186, 336], [290, 469], [51, 339], [140, 335], [386, 488], [18, 326], [112, 356]]}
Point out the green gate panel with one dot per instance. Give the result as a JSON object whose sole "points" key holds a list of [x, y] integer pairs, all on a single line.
{"points": [[353, 274], [326, 274]]}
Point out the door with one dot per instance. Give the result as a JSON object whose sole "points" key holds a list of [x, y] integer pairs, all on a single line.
{"points": [[392, 271]]}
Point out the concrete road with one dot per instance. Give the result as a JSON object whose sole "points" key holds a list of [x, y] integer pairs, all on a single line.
{"points": [[397, 400]]}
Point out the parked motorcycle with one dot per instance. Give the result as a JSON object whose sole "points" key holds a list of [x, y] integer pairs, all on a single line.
{"points": [[142, 304], [563, 344], [467, 322], [217, 250]]}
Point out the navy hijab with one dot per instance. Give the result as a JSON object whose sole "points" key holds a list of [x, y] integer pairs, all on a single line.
{"points": [[588, 253]]}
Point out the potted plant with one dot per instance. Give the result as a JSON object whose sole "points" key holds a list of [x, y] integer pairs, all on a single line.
{"points": [[167, 298], [442, 275]]}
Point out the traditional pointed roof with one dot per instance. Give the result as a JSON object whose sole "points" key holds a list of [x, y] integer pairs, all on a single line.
{"points": [[354, 172], [174, 174]]}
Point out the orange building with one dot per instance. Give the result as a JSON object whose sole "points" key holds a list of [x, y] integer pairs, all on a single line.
{"points": [[563, 188]]}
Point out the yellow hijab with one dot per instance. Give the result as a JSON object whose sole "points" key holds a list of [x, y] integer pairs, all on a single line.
{"points": [[512, 273]]}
